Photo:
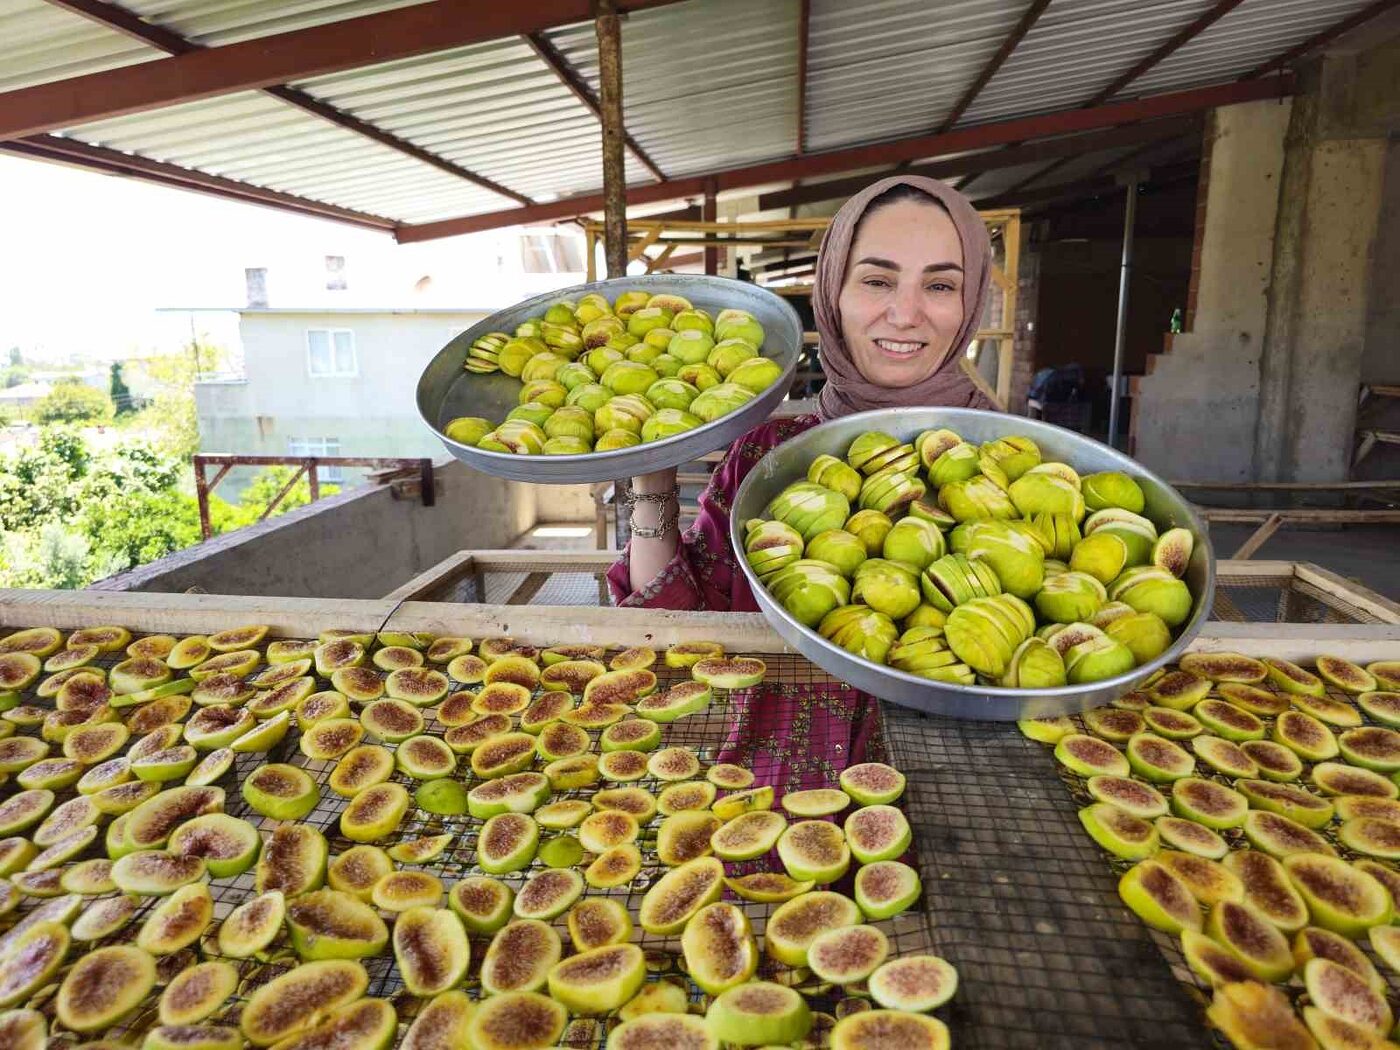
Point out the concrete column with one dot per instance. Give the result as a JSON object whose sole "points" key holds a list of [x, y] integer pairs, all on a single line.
{"points": [[1197, 407], [1329, 212]]}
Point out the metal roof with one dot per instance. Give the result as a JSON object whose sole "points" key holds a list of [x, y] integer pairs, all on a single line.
{"points": [[709, 85]]}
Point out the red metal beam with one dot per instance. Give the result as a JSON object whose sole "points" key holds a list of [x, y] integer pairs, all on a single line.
{"points": [[1198, 26], [569, 77], [172, 43], [282, 57], [804, 26], [1085, 187], [1329, 34], [1008, 45], [991, 160], [980, 137], [114, 162]]}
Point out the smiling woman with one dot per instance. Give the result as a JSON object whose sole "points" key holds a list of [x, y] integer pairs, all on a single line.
{"points": [[901, 284]]}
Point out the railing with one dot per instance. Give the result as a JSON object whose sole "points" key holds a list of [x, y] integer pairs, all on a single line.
{"points": [[404, 474]]}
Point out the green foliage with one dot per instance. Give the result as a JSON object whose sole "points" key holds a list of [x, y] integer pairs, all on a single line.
{"points": [[74, 403], [119, 391], [69, 516], [172, 410]]}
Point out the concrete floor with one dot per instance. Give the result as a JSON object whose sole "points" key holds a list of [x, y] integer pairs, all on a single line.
{"points": [[1369, 554]]}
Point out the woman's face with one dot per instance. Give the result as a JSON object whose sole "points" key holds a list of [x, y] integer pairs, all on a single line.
{"points": [[901, 301]]}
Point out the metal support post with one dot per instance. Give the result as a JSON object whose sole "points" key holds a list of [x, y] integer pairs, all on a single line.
{"points": [[708, 213], [614, 173], [1121, 329]]}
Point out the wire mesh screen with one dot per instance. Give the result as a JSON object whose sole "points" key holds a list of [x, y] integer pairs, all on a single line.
{"points": [[800, 729], [1281, 599], [1021, 899]]}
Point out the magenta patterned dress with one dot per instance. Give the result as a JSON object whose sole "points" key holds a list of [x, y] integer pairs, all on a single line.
{"points": [[791, 736]]}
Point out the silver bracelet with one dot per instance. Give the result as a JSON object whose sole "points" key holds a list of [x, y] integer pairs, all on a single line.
{"points": [[670, 511]]}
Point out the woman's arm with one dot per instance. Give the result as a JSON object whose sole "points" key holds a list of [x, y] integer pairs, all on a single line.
{"points": [[651, 554]]}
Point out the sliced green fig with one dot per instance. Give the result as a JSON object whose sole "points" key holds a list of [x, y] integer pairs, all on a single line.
{"points": [[442, 1023], [300, 998], [1228, 721], [793, 925], [281, 791], [1114, 724], [594, 922], [90, 744], [253, 925], [1372, 838], [562, 740], [58, 773], [1045, 730], [329, 924], [671, 901], [360, 768], [1225, 756], [431, 949], [1337, 991], [228, 845], [366, 1024], [615, 866], [332, 656], [1288, 800], [1268, 889], [444, 797], [483, 904], [1293, 679], [748, 835], [651, 1030], [685, 836], [374, 813], [1211, 961], [681, 700], [673, 764], [1159, 897], [636, 801], [88, 877], [877, 833], [1209, 882], [320, 706], [520, 957], [358, 870], [1344, 675], [293, 860], [1190, 837], [516, 793], [23, 1029], [155, 873], [425, 758], [1333, 712], [1275, 761], [815, 851], [1252, 698], [1180, 690], [632, 734], [885, 889], [1243, 930], [22, 811], [516, 1021], [620, 688], [421, 851], [19, 752], [332, 738], [177, 921], [872, 783], [1339, 897], [41, 641], [1118, 831], [196, 993], [1354, 807], [217, 726], [467, 669], [622, 767], [391, 720], [1282, 837], [507, 842], [360, 684], [1255, 1016], [548, 894], [544, 709], [848, 954], [31, 959], [501, 698], [685, 797], [1157, 759], [64, 849], [103, 986], [1225, 667], [759, 1013], [1382, 873], [1382, 705], [399, 891], [15, 853], [1209, 803], [1089, 756], [771, 887], [1372, 747], [599, 980], [914, 983], [657, 997], [502, 755], [817, 802], [1313, 942]]}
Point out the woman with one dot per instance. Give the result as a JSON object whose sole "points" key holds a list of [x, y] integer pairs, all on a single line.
{"points": [[901, 282]]}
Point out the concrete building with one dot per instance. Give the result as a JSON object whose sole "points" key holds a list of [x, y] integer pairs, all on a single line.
{"points": [[327, 382]]}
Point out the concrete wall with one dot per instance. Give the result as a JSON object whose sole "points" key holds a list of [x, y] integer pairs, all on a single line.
{"points": [[370, 414], [1197, 410], [362, 543]]}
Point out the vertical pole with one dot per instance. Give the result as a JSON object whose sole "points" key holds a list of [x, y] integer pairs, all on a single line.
{"points": [[591, 248], [1121, 330], [201, 488], [614, 171], [708, 213], [313, 479]]}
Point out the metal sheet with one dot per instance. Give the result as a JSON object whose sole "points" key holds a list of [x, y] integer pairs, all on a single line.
{"points": [[788, 463], [218, 22], [445, 391], [43, 43]]}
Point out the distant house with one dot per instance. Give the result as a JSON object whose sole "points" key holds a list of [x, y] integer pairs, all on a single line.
{"points": [[23, 397], [327, 383]]}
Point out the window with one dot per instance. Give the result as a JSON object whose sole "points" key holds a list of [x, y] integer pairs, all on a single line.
{"points": [[319, 447], [330, 352], [550, 253], [335, 273]]}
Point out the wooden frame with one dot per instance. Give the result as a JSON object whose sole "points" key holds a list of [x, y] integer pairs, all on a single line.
{"points": [[666, 235]]}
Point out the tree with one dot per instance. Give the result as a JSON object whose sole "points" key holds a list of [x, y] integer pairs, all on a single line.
{"points": [[120, 393], [72, 402]]}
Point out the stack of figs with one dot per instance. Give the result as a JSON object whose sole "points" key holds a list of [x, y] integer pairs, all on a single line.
{"points": [[508, 824], [961, 562], [599, 376], [1254, 809]]}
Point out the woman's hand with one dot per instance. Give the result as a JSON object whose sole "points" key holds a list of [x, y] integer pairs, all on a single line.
{"points": [[651, 555]]}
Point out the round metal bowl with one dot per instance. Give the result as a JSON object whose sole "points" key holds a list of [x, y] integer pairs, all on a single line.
{"points": [[446, 391], [788, 463]]}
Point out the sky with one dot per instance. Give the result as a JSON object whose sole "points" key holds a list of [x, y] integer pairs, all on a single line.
{"points": [[94, 263]]}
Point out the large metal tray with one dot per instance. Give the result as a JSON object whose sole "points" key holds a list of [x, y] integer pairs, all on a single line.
{"points": [[446, 391], [788, 463]]}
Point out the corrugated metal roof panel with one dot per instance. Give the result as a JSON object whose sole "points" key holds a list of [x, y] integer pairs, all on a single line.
{"points": [[881, 69], [1075, 50], [43, 42], [256, 139], [216, 22], [1248, 36], [706, 85]]}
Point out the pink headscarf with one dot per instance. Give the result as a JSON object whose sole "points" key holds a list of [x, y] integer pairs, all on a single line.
{"points": [[846, 390]]}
